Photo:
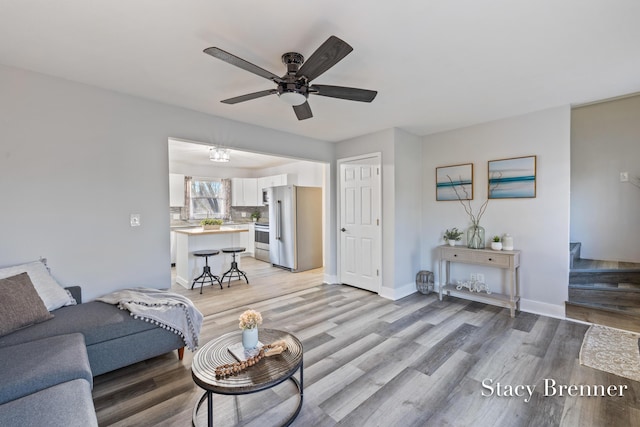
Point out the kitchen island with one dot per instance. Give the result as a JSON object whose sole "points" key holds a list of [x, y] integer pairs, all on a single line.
{"points": [[188, 267]]}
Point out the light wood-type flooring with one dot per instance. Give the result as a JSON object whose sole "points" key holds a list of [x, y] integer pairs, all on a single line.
{"points": [[369, 361]]}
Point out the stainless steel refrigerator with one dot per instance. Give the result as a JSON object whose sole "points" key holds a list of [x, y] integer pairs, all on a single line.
{"points": [[295, 227]]}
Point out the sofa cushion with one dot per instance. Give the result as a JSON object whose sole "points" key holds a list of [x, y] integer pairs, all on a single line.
{"points": [[97, 321], [68, 404], [30, 367], [20, 304], [53, 295]]}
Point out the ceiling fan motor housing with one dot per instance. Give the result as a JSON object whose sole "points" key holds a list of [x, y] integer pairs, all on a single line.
{"points": [[291, 84]]}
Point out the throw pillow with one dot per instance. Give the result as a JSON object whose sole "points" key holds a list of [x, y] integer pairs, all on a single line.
{"points": [[53, 295], [20, 304]]}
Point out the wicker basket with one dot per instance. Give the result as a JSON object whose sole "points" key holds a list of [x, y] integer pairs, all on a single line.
{"points": [[424, 282]]}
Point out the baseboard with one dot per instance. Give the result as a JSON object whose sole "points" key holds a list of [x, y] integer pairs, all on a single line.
{"points": [[330, 279], [395, 294], [543, 308]]}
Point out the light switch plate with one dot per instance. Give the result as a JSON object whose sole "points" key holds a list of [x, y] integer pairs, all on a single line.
{"points": [[134, 219], [624, 176]]}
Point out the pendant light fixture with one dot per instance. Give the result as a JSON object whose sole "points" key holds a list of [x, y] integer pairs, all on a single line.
{"points": [[219, 154]]}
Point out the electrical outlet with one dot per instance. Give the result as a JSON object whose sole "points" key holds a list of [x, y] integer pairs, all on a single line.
{"points": [[474, 277], [480, 277], [243, 214], [134, 220], [624, 176]]}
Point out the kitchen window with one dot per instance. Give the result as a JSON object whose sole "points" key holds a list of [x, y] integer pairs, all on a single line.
{"points": [[209, 197]]}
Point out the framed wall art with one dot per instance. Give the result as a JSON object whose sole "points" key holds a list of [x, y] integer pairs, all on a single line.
{"points": [[512, 178], [454, 182]]}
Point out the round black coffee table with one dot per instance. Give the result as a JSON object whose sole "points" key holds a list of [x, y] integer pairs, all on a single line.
{"points": [[267, 373]]}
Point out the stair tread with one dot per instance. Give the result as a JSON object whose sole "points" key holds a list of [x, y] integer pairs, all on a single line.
{"points": [[608, 307]]}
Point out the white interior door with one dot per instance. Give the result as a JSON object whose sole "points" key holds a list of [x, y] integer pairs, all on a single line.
{"points": [[360, 236]]}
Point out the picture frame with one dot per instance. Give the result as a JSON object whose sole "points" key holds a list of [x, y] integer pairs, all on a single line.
{"points": [[513, 178], [454, 182]]}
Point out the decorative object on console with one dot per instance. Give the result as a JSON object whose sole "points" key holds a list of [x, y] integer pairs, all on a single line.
{"points": [[475, 233], [452, 236], [507, 242], [445, 184], [249, 322], [496, 244], [473, 286], [512, 178], [475, 236]]}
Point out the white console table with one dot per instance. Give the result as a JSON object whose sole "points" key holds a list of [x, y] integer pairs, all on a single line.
{"points": [[508, 260]]}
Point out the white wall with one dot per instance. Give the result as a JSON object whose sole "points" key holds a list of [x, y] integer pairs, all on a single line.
{"points": [[75, 161], [539, 226], [407, 203], [605, 140]]}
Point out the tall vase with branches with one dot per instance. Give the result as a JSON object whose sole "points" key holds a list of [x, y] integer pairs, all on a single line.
{"points": [[475, 233]]}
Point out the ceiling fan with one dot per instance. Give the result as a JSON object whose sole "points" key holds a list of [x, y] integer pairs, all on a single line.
{"points": [[295, 86]]}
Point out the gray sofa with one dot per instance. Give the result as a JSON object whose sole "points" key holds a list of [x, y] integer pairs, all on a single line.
{"points": [[52, 363]]}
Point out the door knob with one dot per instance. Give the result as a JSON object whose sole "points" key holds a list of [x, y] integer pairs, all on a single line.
{"points": [[343, 229]]}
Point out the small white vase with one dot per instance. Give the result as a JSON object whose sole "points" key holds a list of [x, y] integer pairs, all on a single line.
{"points": [[250, 338], [507, 242], [496, 246], [452, 242]]}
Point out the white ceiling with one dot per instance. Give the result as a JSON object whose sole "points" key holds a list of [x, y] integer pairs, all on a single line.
{"points": [[437, 65]]}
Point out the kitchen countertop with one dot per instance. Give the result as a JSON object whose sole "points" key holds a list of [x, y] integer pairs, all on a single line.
{"points": [[185, 224], [199, 231]]}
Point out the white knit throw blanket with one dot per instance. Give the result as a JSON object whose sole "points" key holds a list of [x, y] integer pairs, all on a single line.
{"points": [[168, 310]]}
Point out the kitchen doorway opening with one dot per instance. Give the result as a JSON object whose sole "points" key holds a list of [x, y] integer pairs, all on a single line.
{"points": [[247, 175]]}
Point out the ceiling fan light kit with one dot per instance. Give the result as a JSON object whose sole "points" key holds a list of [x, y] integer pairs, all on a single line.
{"points": [[295, 86]]}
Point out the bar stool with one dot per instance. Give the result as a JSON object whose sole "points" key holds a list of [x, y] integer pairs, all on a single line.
{"points": [[206, 275], [234, 271]]}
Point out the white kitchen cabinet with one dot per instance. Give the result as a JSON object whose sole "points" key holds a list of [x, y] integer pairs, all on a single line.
{"points": [[251, 240], [244, 192], [176, 190], [275, 180], [174, 247], [250, 190]]}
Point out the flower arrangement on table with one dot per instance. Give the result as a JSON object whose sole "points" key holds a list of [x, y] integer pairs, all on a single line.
{"points": [[250, 319]]}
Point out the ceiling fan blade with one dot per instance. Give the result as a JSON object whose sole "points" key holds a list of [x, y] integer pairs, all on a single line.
{"points": [[325, 57], [241, 63], [249, 96], [303, 111], [350, 93]]}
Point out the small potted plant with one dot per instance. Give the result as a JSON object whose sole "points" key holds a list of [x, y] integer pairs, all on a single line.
{"points": [[452, 236], [496, 244], [255, 216], [211, 224]]}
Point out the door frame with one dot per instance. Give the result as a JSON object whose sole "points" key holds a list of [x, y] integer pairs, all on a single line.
{"points": [[378, 160]]}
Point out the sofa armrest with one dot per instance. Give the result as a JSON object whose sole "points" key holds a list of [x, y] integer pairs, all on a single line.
{"points": [[76, 293]]}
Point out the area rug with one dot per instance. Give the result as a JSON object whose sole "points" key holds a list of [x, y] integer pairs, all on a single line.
{"points": [[612, 350]]}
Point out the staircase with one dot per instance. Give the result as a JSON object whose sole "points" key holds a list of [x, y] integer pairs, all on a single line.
{"points": [[609, 297]]}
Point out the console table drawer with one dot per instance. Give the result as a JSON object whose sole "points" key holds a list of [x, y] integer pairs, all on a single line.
{"points": [[456, 254], [497, 260]]}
